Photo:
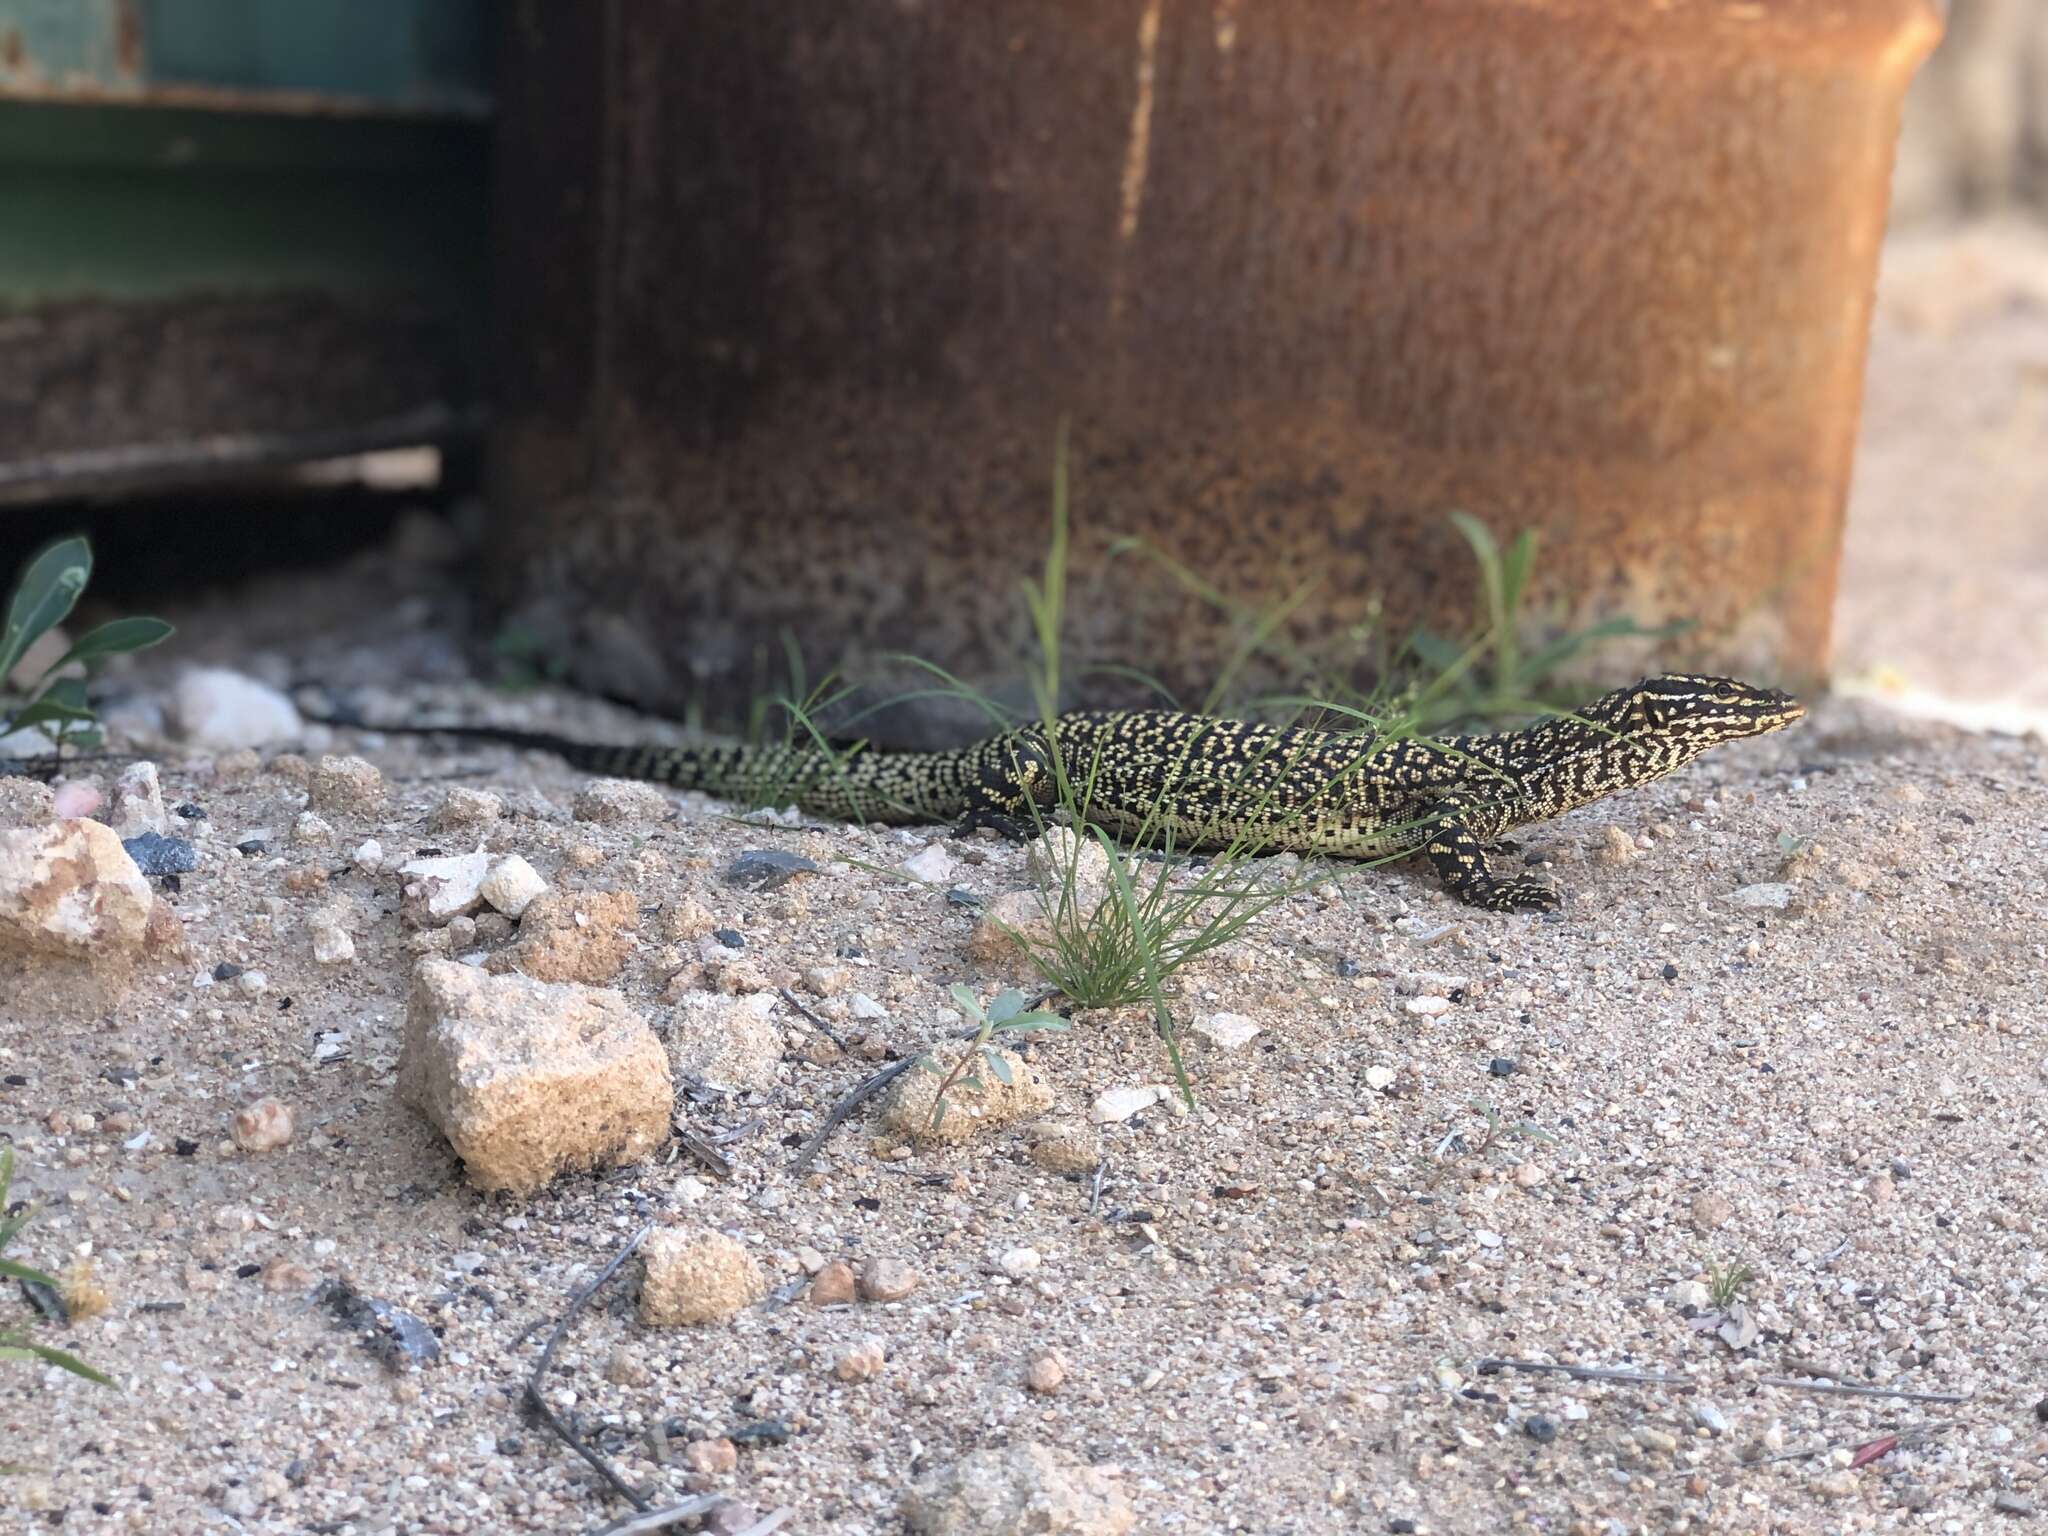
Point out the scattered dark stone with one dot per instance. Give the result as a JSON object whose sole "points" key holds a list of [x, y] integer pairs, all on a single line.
{"points": [[2006, 1502], [1348, 967], [429, 853], [852, 952], [391, 1333], [759, 1432], [2041, 1410], [763, 869], [1456, 994], [227, 970], [171, 883], [191, 812], [731, 938], [296, 1471], [183, 1147], [15, 1080], [1901, 1169], [252, 848], [1400, 1525], [1670, 972], [960, 896], [120, 1077], [1502, 1066], [158, 855], [247, 1271], [868, 1203], [510, 1445], [46, 1300], [1539, 1429]]}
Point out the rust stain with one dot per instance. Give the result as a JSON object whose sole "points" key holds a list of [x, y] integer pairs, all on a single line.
{"points": [[13, 52], [128, 38]]}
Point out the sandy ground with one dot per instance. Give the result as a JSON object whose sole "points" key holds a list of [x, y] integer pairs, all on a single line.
{"points": [[1274, 1320], [1944, 587]]}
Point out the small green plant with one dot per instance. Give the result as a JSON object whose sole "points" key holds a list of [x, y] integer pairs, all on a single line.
{"points": [[525, 659], [1009, 1013], [1726, 1283], [15, 1344], [55, 699], [1489, 676]]}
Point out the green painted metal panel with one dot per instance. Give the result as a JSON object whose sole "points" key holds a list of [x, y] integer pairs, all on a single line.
{"points": [[407, 56]]}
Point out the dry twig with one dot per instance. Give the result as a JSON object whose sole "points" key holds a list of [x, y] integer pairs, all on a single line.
{"points": [[1586, 1372], [547, 1356]]}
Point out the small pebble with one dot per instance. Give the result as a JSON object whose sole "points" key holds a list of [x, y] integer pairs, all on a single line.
{"points": [[1502, 1066], [884, 1280], [1019, 1262], [1045, 1375], [832, 1285], [1711, 1212], [263, 1126], [862, 1362], [1539, 1429]]}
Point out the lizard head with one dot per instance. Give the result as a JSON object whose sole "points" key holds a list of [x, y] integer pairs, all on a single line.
{"points": [[1692, 713]]}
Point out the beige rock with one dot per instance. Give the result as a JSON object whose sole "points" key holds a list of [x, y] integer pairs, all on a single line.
{"points": [[686, 918], [711, 1458], [530, 1079], [832, 1286], [345, 786], [463, 809], [1711, 1212], [1064, 1146], [263, 1126], [862, 1361], [978, 1100], [1045, 1375], [1023, 1489], [621, 803], [581, 936], [513, 885], [729, 1042], [25, 803], [69, 888], [696, 1275], [887, 1279], [139, 802]]}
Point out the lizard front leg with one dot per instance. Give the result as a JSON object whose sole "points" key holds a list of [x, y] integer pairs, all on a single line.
{"points": [[1015, 778], [1461, 864]]}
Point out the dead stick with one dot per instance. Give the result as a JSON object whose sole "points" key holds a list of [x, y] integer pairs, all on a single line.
{"points": [[1585, 1372], [661, 1519], [816, 1023], [859, 1096], [547, 1356], [1854, 1389]]}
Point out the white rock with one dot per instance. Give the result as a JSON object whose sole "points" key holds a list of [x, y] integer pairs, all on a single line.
{"points": [[861, 1006], [139, 803], [1689, 1293], [69, 887], [1116, 1104], [332, 942], [253, 983], [1709, 1417], [512, 885], [933, 865], [1429, 1007], [450, 885], [528, 1079], [31, 742], [1771, 895], [1228, 1031], [369, 856], [1019, 1262], [1380, 1079], [223, 710]]}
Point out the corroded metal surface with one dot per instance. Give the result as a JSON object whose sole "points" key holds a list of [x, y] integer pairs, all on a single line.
{"points": [[793, 333]]}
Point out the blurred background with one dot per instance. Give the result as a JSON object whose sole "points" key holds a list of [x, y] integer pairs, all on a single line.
{"points": [[280, 290]]}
